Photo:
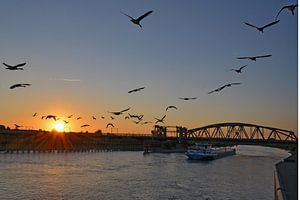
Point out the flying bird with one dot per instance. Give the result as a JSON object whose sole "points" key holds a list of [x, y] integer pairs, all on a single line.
{"points": [[109, 124], [187, 98], [112, 118], [15, 67], [94, 118], [146, 123], [120, 112], [43, 117], [290, 8], [102, 117], [224, 86], [253, 58], [69, 116], [160, 120], [261, 29], [18, 126], [139, 117], [85, 125], [136, 122], [239, 70], [78, 118], [136, 90], [34, 114], [127, 117], [169, 107], [138, 20], [66, 122], [19, 85], [51, 117]]}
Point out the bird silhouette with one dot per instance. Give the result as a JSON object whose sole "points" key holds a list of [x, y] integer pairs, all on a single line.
{"points": [[15, 67], [65, 121], [222, 87], [78, 118], [139, 117], [138, 20], [136, 122], [253, 58], [43, 117], [17, 126], [102, 117], [160, 120], [290, 8], [261, 29], [187, 98], [146, 123], [19, 85], [239, 70], [84, 125], [51, 117], [94, 118], [169, 107], [112, 118], [70, 116], [126, 117], [34, 114], [136, 90], [120, 112], [109, 124]]}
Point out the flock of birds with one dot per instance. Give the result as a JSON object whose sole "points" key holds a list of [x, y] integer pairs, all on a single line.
{"points": [[138, 119]]}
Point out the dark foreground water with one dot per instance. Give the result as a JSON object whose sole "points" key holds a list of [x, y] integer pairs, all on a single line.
{"points": [[130, 175]]}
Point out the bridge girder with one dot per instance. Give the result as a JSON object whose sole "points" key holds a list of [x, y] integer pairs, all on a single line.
{"points": [[240, 131]]}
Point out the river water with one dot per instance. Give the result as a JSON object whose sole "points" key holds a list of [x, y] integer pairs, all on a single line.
{"points": [[130, 175]]}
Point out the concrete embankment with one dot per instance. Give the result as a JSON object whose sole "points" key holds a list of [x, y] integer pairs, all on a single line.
{"points": [[287, 173]]}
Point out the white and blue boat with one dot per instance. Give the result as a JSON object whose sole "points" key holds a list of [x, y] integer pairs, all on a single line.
{"points": [[207, 152]]}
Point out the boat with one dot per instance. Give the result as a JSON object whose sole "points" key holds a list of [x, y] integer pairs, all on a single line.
{"points": [[207, 152]]}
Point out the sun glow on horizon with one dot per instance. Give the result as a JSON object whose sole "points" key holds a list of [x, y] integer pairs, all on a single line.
{"points": [[59, 126]]}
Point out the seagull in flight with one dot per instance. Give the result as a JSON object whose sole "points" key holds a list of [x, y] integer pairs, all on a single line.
{"points": [[70, 116], [254, 57], [239, 70], [65, 121], [78, 118], [261, 29], [34, 114], [136, 90], [169, 107], [290, 8], [85, 125], [160, 120], [51, 117], [120, 112], [15, 67], [94, 118], [138, 20], [146, 123], [224, 86], [19, 85], [109, 124], [187, 98], [18, 126]]}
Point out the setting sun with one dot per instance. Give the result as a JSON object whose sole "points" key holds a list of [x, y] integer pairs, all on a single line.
{"points": [[59, 126]]}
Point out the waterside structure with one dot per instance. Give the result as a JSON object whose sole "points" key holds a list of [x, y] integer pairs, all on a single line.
{"points": [[286, 178]]}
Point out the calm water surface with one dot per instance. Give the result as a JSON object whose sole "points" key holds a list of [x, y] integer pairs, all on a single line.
{"points": [[130, 175]]}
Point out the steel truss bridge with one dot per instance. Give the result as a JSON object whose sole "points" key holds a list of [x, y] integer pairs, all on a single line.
{"points": [[242, 133]]}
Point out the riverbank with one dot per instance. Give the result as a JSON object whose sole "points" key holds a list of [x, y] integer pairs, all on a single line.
{"points": [[287, 173]]}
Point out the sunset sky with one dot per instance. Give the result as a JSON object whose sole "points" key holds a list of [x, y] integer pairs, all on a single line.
{"points": [[84, 56]]}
